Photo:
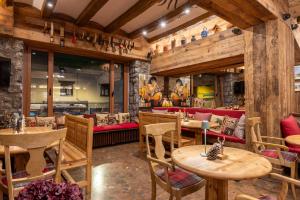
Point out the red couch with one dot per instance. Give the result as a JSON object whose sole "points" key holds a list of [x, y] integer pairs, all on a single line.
{"points": [[290, 126], [114, 134], [221, 112]]}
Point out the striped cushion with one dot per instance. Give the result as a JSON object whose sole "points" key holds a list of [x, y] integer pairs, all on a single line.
{"points": [[288, 156], [179, 178]]}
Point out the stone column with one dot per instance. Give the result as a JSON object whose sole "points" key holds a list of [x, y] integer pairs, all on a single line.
{"points": [[269, 74], [136, 68]]}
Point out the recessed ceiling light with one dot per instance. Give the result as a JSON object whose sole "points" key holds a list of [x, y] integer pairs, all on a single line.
{"points": [[50, 4], [144, 33], [163, 24], [187, 11], [34, 53]]}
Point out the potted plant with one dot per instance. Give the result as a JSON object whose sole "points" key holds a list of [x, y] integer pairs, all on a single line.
{"points": [[50, 190]]}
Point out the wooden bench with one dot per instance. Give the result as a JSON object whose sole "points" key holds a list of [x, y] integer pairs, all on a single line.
{"points": [[146, 118]]}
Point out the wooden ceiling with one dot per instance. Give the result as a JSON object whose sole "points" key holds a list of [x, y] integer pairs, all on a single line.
{"points": [[128, 17]]}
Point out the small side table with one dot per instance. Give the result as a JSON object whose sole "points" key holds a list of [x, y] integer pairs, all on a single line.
{"points": [[293, 139]]}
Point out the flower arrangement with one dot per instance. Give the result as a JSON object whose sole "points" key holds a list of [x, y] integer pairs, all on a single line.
{"points": [[49, 190]]}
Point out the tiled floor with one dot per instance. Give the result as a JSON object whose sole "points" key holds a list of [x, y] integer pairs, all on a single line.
{"points": [[120, 172]]}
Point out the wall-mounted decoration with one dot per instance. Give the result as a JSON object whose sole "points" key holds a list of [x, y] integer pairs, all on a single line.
{"points": [[204, 33], [150, 90], [104, 90], [193, 38], [173, 43], [183, 40], [66, 88], [206, 92], [179, 90]]}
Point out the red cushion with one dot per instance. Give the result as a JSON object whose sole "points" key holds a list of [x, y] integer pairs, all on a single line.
{"points": [[229, 138], [294, 149], [271, 153], [289, 126], [115, 127], [202, 116]]}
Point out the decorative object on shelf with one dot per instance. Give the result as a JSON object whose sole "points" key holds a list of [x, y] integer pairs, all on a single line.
{"points": [[74, 38], [52, 33], [193, 38], [286, 16], [204, 126], [156, 51], [82, 35], [163, 2], [95, 39], [204, 33], [88, 37], [165, 48], [237, 31], [183, 40], [150, 54], [62, 36], [216, 29], [213, 152], [46, 28], [294, 26], [173, 43]]}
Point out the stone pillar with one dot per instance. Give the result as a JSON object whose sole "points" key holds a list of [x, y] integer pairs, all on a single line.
{"points": [[269, 74], [136, 68], [11, 97]]}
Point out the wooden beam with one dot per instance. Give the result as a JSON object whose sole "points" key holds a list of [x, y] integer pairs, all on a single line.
{"points": [[294, 7], [137, 9], [90, 10], [6, 20], [216, 47], [155, 25], [46, 11], [50, 83], [180, 27], [245, 13]]}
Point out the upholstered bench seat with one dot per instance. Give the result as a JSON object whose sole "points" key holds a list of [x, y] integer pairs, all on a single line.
{"points": [[228, 138], [288, 156], [114, 127]]}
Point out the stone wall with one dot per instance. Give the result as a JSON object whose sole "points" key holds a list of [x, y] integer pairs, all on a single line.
{"points": [[136, 68], [229, 79], [11, 98]]}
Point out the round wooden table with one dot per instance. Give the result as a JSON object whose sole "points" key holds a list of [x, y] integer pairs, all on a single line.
{"points": [[195, 126], [293, 139], [239, 165]]}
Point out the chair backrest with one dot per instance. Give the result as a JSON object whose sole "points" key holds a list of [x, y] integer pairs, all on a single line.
{"points": [[157, 131], [254, 124], [80, 133], [35, 144], [146, 118]]}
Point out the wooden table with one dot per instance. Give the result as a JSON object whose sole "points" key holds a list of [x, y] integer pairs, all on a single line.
{"points": [[239, 165], [19, 153], [195, 126], [293, 139]]}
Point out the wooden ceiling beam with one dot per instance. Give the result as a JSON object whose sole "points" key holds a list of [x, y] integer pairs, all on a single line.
{"points": [[46, 11], [137, 9], [91, 9], [180, 27], [155, 24]]}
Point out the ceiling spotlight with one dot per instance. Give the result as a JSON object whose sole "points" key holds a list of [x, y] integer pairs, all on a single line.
{"points": [[50, 4], [187, 11], [144, 33], [163, 24]]}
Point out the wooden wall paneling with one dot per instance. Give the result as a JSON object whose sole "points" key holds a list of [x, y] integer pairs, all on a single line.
{"points": [[126, 87], [111, 86], [166, 85], [269, 60], [50, 83], [6, 20], [26, 81]]}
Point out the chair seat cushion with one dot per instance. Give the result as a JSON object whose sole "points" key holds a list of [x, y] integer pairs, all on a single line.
{"points": [[288, 156], [23, 174], [115, 127], [179, 178]]}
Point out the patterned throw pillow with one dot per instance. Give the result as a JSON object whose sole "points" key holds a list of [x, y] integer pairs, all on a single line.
{"points": [[113, 119], [30, 121], [102, 119], [202, 116], [239, 130], [229, 125], [45, 121], [217, 119], [123, 117]]}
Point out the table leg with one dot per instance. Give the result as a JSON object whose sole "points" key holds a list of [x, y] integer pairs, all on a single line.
{"points": [[216, 189], [20, 161], [198, 136]]}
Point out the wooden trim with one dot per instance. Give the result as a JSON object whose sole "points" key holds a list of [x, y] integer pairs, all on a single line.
{"points": [[155, 24], [181, 27], [26, 81], [111, 86], [134, 11], [90, 10], [50, 83], [126, 87]]}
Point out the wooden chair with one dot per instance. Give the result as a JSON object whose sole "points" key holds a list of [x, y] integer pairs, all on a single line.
{"points": [[146, 118], [277, 154], [36, 167], [77, 150], [163, 172], [283, 192]]}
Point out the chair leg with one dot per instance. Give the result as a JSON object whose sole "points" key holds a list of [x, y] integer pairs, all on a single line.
{"points": [[89, 181], [293, 175], [153, 183], [171, 197]]}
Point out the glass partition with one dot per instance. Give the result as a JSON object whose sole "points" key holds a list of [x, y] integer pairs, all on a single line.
{"points": [[39, 82], [80, 85]]}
